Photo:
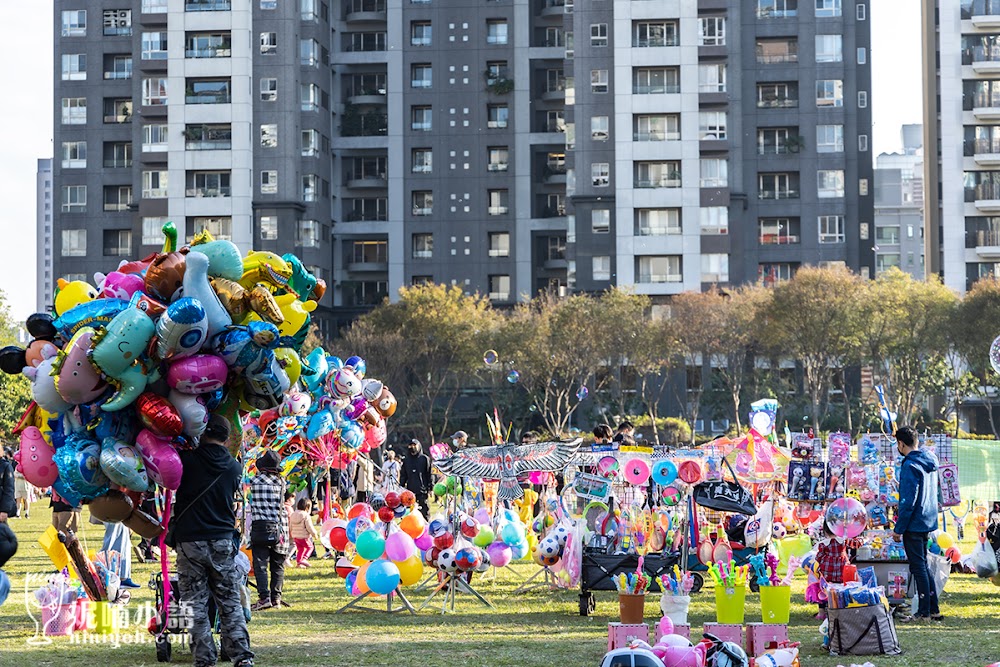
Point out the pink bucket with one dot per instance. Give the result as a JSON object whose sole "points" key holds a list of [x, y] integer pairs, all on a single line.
{"points": [[59, 620]]}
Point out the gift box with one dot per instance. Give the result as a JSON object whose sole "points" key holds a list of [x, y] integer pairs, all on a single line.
{"points": [[620, 634], [682, 630], [727, 632], [762, 636]]}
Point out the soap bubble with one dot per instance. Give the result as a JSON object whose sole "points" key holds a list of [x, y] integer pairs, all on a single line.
{"points": [[513, 377], [490, 357]]}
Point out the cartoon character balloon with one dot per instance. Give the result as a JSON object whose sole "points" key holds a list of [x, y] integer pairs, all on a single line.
{"points": [[119, 352], [76, 379], [34, 458], [123, 465]]}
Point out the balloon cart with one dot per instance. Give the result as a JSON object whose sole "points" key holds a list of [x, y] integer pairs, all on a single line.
{"points": [[451, 585], [404, 603]]}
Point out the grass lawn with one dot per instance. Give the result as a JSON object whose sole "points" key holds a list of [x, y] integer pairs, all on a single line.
{"points": [[540, 629]]}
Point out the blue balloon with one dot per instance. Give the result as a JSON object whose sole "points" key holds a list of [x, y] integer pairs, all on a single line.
{"points": [[4, 587], [78, 461], [334, 363], [352, 435], [349, 581], [96, 313], [352, 530], [320, 424], [358, 365], [518, 551], [382, 577], [314, 370]]}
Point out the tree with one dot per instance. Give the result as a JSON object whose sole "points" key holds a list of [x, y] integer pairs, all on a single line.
{"points": [[15, 390], [812, 319], [976, 324], [655, 356], [619, 317], [741, 316]]}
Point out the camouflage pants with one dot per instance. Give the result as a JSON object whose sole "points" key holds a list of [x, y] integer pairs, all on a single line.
{"points": [[207, 568]]}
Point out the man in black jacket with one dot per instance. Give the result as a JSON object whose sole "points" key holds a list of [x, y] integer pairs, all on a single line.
{"points": [[202, 529], [8, 507], [415, 474]]}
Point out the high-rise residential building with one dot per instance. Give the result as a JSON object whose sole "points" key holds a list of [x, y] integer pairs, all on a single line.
{"points": [[43, 234], [899, 201], [961, 73], [506, 147]]}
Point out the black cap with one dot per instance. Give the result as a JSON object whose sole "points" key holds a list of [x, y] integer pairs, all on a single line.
{"points": [[414, 441], [268, 461]]}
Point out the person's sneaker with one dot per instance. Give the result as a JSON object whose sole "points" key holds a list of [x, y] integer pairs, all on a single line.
{"points": [[821, 616], [261, 605], [128, 583], [327, 556], [248, 662]]}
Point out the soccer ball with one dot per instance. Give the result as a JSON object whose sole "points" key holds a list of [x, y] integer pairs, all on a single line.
{"points": [[469, 527], [560, 533], [484, 561], [446, 561], [550, 546], [467, 558]]}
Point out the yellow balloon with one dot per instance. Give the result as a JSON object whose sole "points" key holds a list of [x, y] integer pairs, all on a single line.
{"points": [[532, 540], [290, 361], [410, 570], [945, 541]]}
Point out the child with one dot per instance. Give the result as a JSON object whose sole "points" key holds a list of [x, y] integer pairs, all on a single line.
{"points": [[831, 557], [303, 532]]}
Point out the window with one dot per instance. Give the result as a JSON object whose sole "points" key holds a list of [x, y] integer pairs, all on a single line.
{"points": [[829, 138], [423, 202], [862, 55], [776, 9], [885, 261], [420, 33], [598, 80], [555, 80], [780, 185], [310, 143], [830, 8], [309, 10], [74, 155], [117, 67], [74, 111], [600, 174], [497, 158], [829, 93], [714, 173], [712, 125], [499, 287], [712, 31], [829, 48], [496, 31], [117, 198], [309, 53], [654, 33], [74, 242], [496, 71], [74, 66], [154, 6], [74, 23], [498, 202], [420, 118], [712, 78], [117, 22], [778, 50], [207, 91], [269, 135], [656, 80], [268, 4], [499, 244], [207, 184], [268, 43], [497, 115], [658, 174], [421, 161], [778, 231], [771, 274], [309, 189], [598, 34], [154, 46], [659, 269], [831, 228], [423, 246], [74, 198], [602, 267], [364, 41], [154, 91], [555, 205], [154, 184], [117, 154], [830, 183], [600, 220], [310, 97], [599, 128], [269, 182], [268, 90], [860, 12], [152, 230], [268, 227], [117, 242], [154, 138], [888, 235], [862, 142], [862, 99], [420, 75], [715, 268], [374, 208], [308, 234], [207, 137], [713, 220], [657, 221], [781, 95], [774, 140], [659, 127]]}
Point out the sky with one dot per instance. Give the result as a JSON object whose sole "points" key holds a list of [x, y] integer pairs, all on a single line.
{"points": [[26, 111]]}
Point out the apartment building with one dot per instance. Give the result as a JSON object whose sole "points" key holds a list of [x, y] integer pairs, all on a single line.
{"points": [[43, 235]]}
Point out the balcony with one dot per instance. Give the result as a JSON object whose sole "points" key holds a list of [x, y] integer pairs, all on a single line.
{"points": [[660, 277], [366, 181], [555, 264], [496, 166], [554, 94], [656, 136], [764, 59], [991, 21], [986, 196], [365, 11], [207, 192], [661, 182], [553, 8], [497, 210], [368, 267], [779, 103], [118, 75], [779, 239], [422, 210], [767, 13], [209, 52], [208, 6], [986, 60], [368, 96], [985, 152], [986, 112], [988, 243], [553, 177], [208, 144], [499, 296], [656, 89]]}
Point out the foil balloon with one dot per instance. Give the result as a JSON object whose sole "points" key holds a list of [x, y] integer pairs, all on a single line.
{"points": [[72, 294], [163, 463], [371, 389], [113, 507], [302, 283], [320, 424], [263, 390], [182, 330], [265, 267], [76, 379], [296, 318], [334, 363], [123, 465], [296, 404], [43, 385], [846, 518], [356, 408], [375, 435], [240, 302], [196, 285], [117, 285], [358, 365], [165, 276], [351, 436], [200, 374], [247, 348], [92, 314], [118, 350], [193, 412], [80, 474], [158, 415], [34, 458], [995, 354], [314, 370], [224, 259], [344, 383], [290, 362]]}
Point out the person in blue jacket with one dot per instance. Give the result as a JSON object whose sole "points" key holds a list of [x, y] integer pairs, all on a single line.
{"points": [[917, 517]]}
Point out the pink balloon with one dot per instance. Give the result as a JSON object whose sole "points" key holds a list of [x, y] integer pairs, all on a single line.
{"points": [[163, 463], [200, 374], [425, 541], [34, 458], [399, 546], [500, 554], [375, 436], [538, 477]]}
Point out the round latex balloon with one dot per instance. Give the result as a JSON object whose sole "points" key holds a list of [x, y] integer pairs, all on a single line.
{"points": [[370, 545], [664, 472], [637, 472], [490, 357], [382, 577], [846, 518]]}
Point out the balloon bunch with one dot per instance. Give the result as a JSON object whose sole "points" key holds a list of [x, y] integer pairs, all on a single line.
{"points": [[125, 373], [384, 543]]}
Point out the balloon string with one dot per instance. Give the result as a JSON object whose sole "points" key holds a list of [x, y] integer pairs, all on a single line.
{"points": [[164, 570]]}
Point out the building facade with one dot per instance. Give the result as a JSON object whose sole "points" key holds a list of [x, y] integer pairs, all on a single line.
{"points": [[43, 235], [512, 147], [899, 203]]}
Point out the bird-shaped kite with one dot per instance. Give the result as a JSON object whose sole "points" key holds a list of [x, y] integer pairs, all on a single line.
{"points": [[505, 462]]}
